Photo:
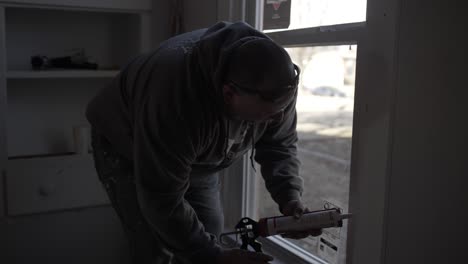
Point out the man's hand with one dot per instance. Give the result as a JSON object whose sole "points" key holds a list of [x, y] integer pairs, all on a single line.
{"points": [[297, 209], [240, 256]]}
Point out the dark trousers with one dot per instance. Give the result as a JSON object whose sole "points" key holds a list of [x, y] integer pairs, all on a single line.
{"points": [[116, 174]]}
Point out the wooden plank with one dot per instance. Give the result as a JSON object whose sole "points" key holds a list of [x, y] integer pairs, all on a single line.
{"points": [[52, 183]]}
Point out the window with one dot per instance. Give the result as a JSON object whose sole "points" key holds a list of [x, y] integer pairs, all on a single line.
{"points": [[374, 38], [325, 116], [322, 39]]}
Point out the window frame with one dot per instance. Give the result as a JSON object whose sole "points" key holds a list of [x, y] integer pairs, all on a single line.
{"points": [[372, 122]]}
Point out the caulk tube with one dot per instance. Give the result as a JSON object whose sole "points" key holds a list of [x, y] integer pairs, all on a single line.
{"points": [[271, 226]]}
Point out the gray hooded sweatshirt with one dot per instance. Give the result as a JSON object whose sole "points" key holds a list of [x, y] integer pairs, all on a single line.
{"points": [[165, 112]]}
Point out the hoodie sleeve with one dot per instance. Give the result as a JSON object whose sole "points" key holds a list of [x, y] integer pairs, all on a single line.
{"points": [[276, 152], [166, 143]]}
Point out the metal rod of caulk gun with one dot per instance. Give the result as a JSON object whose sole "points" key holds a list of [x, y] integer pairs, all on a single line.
{"points": [[346, 216]]}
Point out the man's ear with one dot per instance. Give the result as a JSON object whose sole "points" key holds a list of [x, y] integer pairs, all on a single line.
{"points": [[228, 94]]}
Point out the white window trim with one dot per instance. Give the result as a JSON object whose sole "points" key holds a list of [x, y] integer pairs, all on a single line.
{"points": [[3, 106], [373, 118]]}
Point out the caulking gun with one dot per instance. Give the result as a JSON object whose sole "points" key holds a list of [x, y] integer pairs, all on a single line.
{"points": [[249, 230]]}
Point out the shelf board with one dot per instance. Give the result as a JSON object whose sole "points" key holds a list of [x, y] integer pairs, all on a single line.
{"points": [[87, 5], [50, 74], [50, 155]]}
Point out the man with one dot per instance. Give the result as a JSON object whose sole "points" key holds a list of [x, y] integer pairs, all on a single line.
{"points": [[175, 117]]}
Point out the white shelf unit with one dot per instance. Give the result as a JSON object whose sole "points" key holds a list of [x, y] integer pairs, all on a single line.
{"points": [[44, 187]]}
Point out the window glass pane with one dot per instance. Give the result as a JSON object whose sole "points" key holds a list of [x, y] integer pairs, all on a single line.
{"points": [[314, 13], [325, 114]]}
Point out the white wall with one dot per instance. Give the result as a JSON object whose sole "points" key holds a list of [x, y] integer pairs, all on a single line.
{"points": [[199, 14], [427, 197], [196, 14], [161, 26]]}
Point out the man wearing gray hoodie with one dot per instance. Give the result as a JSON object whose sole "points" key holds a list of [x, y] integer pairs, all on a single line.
{"points": [[175, 117]]}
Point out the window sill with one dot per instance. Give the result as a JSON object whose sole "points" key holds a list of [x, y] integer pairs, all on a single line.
{"points": [[287, 252], [284, 252]]}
